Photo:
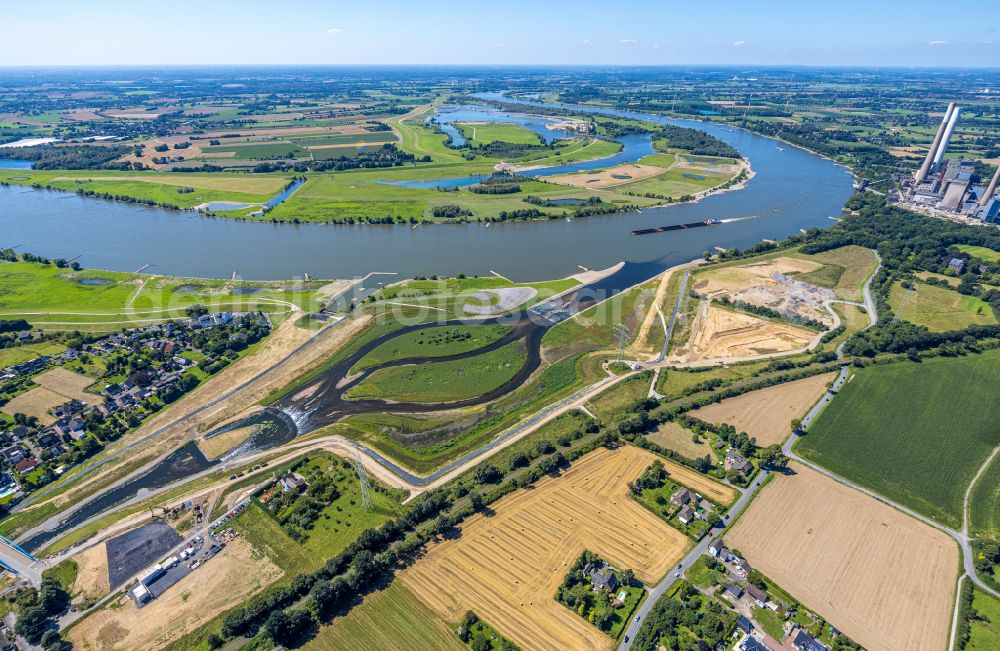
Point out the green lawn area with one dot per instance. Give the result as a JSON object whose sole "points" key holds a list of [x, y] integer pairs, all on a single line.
{"points": [[984, 631], [984, 503], [445, 381], [392, 618], [484, 637], [338, 524], [65, 573], [481, 134], [914, 432], [939, 308], [981, 252], [433, 342], [700, 575], [615, 401], [770, 621], [18, 354]]}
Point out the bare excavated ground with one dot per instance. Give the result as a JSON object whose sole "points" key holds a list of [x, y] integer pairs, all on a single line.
{"points": [[883, 578], [766, 414], [229, 578], [507, 566], [718, 333]]}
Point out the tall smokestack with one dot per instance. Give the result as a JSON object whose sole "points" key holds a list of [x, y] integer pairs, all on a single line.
{"points": [[950, 129], [926, 167], [990, 189]]}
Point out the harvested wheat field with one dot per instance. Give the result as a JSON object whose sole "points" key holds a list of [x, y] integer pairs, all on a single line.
{"points": [[184, 607], [885, 579], [679, 439], [724, 334], [617, 175], [766, 414], [37, 403], [67, 383], [507, 567], [92, 579]]}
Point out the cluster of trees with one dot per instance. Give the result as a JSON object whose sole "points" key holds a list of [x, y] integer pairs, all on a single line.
{"points": [[548, 203], [36, 612], [297, 512], [506, 150], [697, 142], [480, 636], [575, 591], [71, 157], [498, 183], [987, 561], [450, 211], [672, 620], [653, 477], [14, 325], [388, 155]]}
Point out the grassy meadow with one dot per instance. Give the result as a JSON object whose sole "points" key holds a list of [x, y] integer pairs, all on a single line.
{"points": [[938, 308]]}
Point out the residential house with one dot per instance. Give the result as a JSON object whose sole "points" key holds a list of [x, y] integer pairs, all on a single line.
{"points": [[13, 454], [26, 465], [682, 497], [292, 481], [741, 567], [957, 265], [603, 579], [733, 591], [737, 462], [686, 515], [744, 624], [802, 641], [751, 644], [715, 548], [758, 595]]}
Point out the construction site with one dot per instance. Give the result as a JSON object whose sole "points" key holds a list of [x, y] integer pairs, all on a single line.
{"points": [[950, 188]]}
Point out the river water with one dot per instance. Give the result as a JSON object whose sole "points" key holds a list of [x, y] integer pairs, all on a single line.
{"points": [[793, 189]]}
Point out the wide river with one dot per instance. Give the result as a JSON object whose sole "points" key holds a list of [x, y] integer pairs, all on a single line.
{"points": [[792, 190]]}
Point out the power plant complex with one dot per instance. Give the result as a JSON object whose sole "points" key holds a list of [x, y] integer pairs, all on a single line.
{"points": [[947, 186]]}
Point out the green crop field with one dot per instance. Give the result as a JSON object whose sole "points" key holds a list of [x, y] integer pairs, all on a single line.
{"points": [[984, 503], [984, 631], [938, 308], [480, 133], [390, 619], [433, 342], [914, 432], [345, 139], [981, 252], [445, 381]]}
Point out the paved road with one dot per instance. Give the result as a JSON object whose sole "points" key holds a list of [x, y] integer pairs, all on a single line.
{"points": [[26, 566], [676, 573]]}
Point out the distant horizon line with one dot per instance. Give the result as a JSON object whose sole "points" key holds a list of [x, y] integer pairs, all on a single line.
{"points": [[140, 66]]}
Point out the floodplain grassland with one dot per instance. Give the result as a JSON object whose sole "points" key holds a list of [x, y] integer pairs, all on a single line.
{"points": [[444, 381], [393, 618], [433, 342], [938, 308], [914, 432], [56, 298], [674, 436], [487, 132]]}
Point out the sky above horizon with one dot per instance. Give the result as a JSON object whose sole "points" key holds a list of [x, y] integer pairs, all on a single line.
{"points": [[642, 32]]}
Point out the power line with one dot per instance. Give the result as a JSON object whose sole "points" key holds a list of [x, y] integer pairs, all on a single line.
{"points": [[362, 473]]}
